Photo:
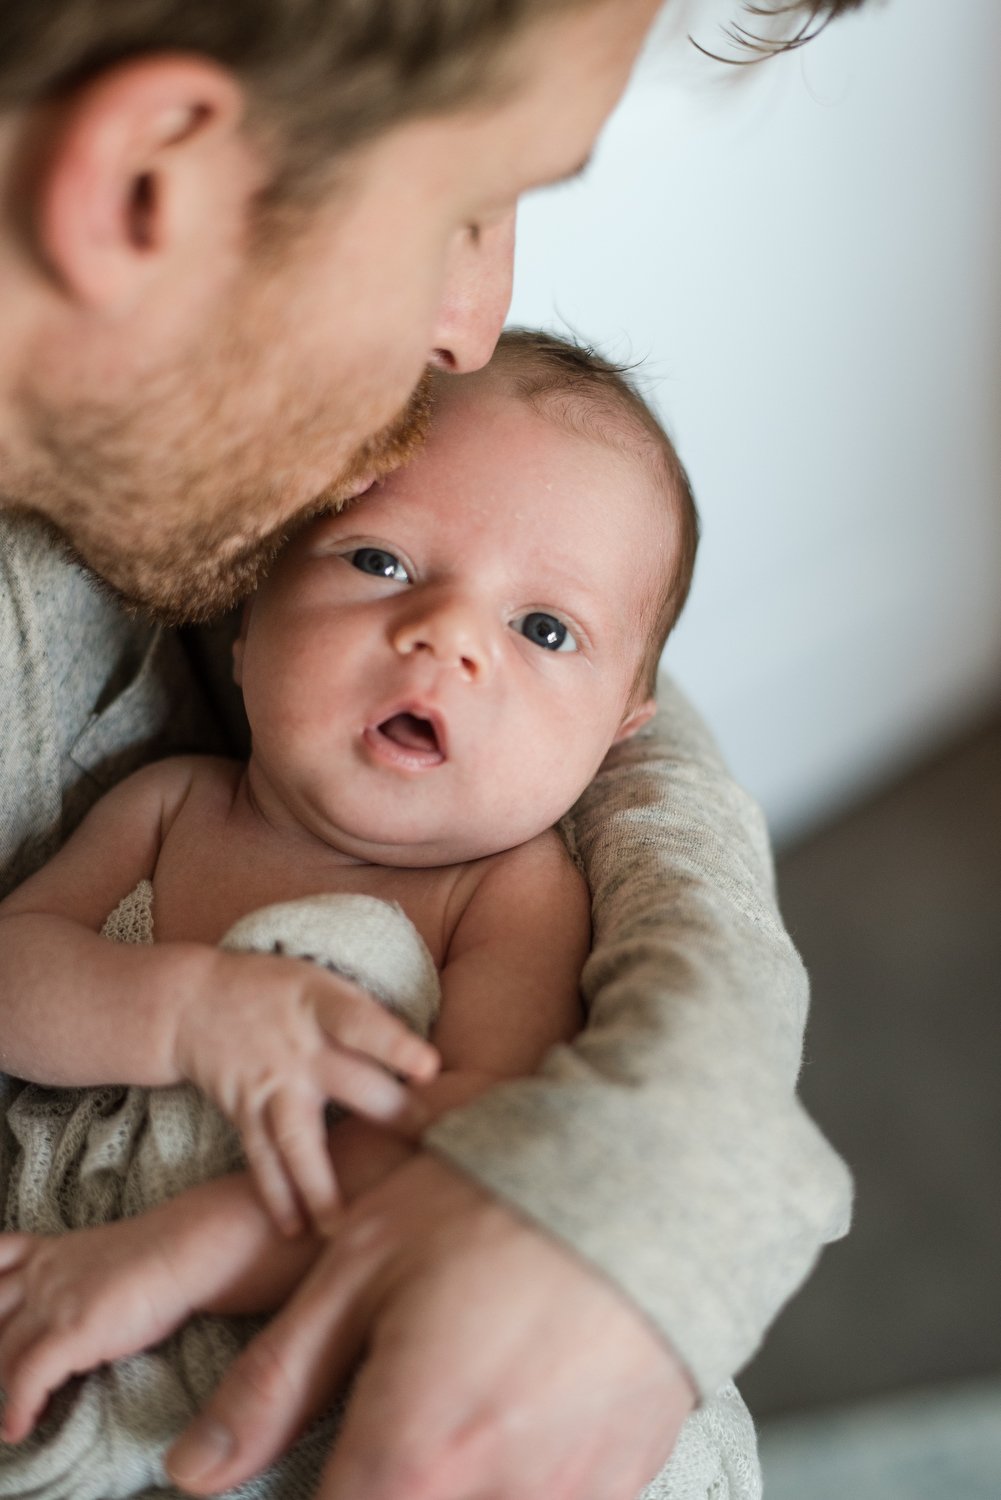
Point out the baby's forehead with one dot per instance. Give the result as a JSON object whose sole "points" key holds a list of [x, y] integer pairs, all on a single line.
{"points": [[599, 413], [597, 435]]}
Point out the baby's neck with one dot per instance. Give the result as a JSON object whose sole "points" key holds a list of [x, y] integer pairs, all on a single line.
{"points": [[266, 811]]}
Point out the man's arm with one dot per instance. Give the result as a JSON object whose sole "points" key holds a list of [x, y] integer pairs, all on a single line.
{"points": [[666, 1146], [494, 1363]]}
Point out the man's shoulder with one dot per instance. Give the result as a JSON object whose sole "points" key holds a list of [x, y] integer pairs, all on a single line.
{"points": [[86, 695], [57, 620], [31, 606]]}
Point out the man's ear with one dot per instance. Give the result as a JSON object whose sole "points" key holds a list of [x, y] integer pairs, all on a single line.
{"points": [[635, 719], [240, 642], [145, 163]]}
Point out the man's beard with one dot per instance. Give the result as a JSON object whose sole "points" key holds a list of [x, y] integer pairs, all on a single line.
{"points": [[153, 550]]}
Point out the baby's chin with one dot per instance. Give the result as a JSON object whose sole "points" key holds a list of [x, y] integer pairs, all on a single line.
{"points": [[418, 854], [430, 851]]}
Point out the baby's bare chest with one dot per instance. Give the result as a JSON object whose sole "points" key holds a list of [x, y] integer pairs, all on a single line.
{"points": [[213, 869]]}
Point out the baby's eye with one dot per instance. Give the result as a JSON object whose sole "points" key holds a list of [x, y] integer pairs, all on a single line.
{"points": [[545, 631], [378, 563]]}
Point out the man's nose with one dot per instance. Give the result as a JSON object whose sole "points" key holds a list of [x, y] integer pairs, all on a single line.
{"points": [[449, 631], [475, 299]]}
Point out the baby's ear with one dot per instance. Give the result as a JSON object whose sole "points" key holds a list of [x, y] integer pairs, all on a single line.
{"points": [[239, 642], [635, 719]]}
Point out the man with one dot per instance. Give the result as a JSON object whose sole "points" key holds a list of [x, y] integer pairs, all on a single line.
{"points": [[232, 237]]}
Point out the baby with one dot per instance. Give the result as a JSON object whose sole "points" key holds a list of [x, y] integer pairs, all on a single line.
{"points": [[432, 675]]}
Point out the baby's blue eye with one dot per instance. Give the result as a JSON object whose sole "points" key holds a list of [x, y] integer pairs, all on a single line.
{"points": [[378, 563], [545, 631]]}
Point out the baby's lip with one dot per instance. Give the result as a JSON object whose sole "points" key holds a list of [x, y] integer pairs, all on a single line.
{"points": [[414, 731]]}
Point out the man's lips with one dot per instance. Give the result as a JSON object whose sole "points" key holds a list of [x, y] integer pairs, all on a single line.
{"points": [[411, 736]]}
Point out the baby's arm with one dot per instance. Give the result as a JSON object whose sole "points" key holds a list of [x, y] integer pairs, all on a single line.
{"points": [[269, 1039], [510, 992], [71, 1302], [75, 1009], [511, 980]]}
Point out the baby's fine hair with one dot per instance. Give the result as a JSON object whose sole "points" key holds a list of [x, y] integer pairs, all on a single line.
{"points": [[597, 399]]}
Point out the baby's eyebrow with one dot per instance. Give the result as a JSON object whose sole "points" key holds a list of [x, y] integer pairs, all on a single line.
{"points": [[571, 581], [573, 592]]}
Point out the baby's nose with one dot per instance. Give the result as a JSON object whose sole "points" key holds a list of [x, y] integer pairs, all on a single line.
{"points": [[450, 632]]}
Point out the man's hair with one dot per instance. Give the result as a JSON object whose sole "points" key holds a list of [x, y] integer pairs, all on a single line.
{"points": [[597, 399], [774, 26], [320, 75]]}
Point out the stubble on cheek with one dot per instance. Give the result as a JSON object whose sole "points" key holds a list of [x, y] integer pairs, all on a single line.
{"points": [[182, 532]]}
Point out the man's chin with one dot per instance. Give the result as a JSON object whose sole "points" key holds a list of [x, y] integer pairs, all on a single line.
{"points": [[196, 573], [184, 587], [390, 449]]}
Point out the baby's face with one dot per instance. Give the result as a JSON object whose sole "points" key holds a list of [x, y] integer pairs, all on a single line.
{"points": [[436, 672]]}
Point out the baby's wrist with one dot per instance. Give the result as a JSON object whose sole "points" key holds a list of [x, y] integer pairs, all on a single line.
{"points": [[189, 1235], [186, 995]]}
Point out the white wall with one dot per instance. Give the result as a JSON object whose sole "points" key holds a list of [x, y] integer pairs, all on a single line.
{"points": [[809, 257]]}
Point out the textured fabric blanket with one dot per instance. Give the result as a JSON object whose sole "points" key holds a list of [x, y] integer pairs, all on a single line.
{"points": [[88, 1156]]}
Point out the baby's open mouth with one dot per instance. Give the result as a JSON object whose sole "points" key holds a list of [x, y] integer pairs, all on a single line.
{"points": [[411, 732]]}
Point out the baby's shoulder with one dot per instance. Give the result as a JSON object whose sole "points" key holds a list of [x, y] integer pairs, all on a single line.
{"points": [[177, 784], [183, 771], [203, 773], [546, 852], [531, 903], [540, 868]]}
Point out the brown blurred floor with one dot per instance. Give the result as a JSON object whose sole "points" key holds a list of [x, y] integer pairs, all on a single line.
{"points": [[897, 911]]}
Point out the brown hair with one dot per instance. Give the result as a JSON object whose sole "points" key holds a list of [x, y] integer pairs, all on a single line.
{"points": [[320, 75], [798, 22], [590, 395]]}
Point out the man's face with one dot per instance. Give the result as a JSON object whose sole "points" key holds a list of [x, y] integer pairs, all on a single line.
{"points": [[435, 673], [171, 446]]}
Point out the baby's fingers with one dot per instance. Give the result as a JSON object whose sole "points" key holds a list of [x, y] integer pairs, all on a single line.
{"points": [[14, 1249], [298, 1130], [366, 1089], [11, 1294], [355, 1020], [34, 1361], [266, 1167]]}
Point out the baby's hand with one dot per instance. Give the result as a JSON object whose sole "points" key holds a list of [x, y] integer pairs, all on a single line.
{"points": [[271, 1040], [72, 1302]]}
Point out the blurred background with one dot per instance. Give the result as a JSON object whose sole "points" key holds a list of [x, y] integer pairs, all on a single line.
{"points": [[806, 258]]}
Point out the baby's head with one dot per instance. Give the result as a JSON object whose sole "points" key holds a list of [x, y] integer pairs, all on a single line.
{"points": [[435, 672], [592, 398]]}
